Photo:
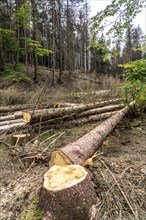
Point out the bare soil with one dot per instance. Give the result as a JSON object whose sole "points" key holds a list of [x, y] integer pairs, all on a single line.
{"points": [[124, 153], [119, 170]]}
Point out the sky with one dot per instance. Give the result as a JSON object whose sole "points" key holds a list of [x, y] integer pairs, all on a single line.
{"points": [[98, 5]]}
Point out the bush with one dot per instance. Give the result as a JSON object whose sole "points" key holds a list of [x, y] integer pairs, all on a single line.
{"points": [[15, 73], [134, 87]]}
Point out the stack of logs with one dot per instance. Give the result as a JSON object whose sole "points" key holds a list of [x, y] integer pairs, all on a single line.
{"points": [[55, 115]]}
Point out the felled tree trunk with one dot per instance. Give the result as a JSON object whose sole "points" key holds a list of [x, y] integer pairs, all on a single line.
{"points": [[10, 122], [16, 115], [96, 93], [67, 194], [79, 151], [12, 127], [59, 122], [99, 110], [45, 114], [75, 119]]}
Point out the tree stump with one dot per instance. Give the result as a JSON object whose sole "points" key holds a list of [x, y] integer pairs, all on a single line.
{"points": [[68, 193]]}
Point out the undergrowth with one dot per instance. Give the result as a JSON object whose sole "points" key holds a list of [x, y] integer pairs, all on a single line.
{"points": [[15, 73]]}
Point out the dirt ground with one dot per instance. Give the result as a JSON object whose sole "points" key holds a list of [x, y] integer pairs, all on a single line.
{"points": [[119, 173], [119, 170]]}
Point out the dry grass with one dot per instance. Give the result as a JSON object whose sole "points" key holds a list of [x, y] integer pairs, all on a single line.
{"points": [[69, 91], [112, 83], [12, 96], [121, 188]]}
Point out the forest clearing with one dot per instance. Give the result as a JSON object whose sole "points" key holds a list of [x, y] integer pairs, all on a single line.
{"points": [[119, 163], [72, 110]]}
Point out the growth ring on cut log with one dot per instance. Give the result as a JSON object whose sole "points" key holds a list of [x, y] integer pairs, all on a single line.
{"points": [[68, 193]]}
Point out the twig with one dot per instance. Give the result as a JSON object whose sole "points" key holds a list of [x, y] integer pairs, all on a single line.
{"points": [[52, 142], [120, 189], [47, 139], [39, 132], [6, 144], [18, 138], [117, 180], [24, 173], [36, 138]]}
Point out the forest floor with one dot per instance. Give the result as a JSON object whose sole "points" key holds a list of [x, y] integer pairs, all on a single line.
{"points": [[119, 170]]}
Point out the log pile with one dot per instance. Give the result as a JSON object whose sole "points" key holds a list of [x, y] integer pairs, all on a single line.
{"points": [[68, 191], [62, 115]]}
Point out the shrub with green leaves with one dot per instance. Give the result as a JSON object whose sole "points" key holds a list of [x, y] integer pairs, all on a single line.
{"points": [[15, 73], [134, 87]]}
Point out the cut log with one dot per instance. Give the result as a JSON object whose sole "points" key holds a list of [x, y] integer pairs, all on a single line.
{"points": [[59, 122], [79, 151], [13, 108], [99, 110], [16, 121], [64, 104], [12, 127], [45, 114], [96, 93], [16, 115], [67, 194]]}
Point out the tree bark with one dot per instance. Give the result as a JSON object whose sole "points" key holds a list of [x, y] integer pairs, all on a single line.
{"points": [[12, 108], [75, 122], [12, 127], [45, 114], [79, 151], [76, 119], [67, 194], [96, 93], [10, 122], [16, 115]]}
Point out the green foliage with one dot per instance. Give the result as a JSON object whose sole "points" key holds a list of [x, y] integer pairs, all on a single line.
{"points": [[134, 87], [47, 134], [124, 11], [5, 32], [37, 48], [23, 15], [5, 37], [15, 73]]}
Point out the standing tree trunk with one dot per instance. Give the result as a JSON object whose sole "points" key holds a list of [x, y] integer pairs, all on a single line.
{"points": [[34, 38], [1, 61], [60, 45]]}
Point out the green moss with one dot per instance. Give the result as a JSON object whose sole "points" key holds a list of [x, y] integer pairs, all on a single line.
{"points": [[46, 135], [3, 149], [33, 215]]}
